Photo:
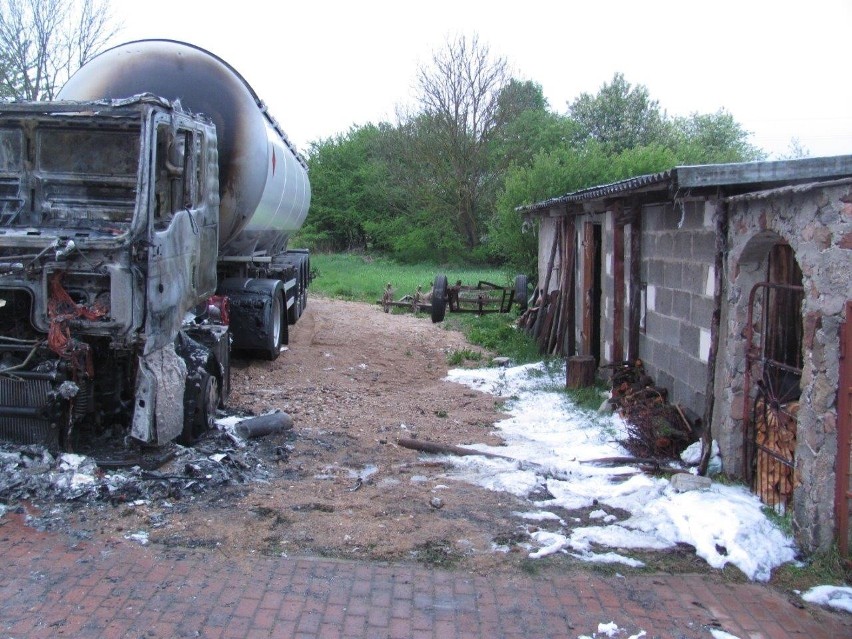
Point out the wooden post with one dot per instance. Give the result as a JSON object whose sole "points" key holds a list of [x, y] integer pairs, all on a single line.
{"points": [[580, 371], [566, 337], [617, 283], [544, 334], [588, 283]]}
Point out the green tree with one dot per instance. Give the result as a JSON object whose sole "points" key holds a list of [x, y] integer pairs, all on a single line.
{"points": [[712, 138], [556, 173], [620, 116], [351, 189], [6, 92], [459, 100], [527, 126]]}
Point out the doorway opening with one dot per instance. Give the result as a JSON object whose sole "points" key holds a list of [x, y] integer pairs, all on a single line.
{"points": [[773, 372], [592, 274]]}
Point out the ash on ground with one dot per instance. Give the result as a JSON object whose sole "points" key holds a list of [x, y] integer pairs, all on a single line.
{"points": [[49, 487]]}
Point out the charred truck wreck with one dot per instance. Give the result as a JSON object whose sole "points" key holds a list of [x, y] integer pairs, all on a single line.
{"points": [[140, 242]]}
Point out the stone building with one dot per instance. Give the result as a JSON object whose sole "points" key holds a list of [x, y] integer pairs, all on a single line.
{"points": [[733, 284]]}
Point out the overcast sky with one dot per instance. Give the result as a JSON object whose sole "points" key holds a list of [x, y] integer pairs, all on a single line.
{"points": [[780, 67]]}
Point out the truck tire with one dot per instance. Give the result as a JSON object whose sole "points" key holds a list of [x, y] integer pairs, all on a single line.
{"points": [[521, 298], [300, 298], [206, 402], [439, 299], [258, 315], [294, 312], [273, 323]]}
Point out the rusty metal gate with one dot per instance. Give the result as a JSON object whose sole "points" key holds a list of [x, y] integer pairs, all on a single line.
{"points": [[843, 494], [771, 387]]}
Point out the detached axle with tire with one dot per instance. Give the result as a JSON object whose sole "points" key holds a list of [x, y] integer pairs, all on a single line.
{"points": [[483, 298]]}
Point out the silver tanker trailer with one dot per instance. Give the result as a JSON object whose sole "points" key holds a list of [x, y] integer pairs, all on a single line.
{"points": [[144, 223]]}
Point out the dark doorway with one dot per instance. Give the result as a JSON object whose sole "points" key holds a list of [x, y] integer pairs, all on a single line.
{"points": [[596, 295], [773, 373], [592, 273]]}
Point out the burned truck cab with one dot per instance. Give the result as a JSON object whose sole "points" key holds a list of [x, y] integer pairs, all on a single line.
{"points": [[108, 245]]}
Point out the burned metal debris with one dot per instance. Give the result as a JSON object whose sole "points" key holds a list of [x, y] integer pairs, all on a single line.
{"points": [[36, 479]]}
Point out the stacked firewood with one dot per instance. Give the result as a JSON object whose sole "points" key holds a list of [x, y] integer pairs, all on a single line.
{"points": [[549, 319], [775, 435], [655, 427]]}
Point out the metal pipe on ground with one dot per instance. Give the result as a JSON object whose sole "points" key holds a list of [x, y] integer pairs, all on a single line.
{"points": [[263, 425]]}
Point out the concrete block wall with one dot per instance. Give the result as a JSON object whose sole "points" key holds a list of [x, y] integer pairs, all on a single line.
{"points": [[678, 245]]}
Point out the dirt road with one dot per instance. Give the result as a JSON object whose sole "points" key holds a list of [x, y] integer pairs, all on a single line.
{"points": [[354, 379]]}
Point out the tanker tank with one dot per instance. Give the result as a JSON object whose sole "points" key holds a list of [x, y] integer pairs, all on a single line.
{"points": [[264, 188]]}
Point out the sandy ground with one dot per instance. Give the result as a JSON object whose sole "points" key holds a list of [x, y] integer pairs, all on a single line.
{"points": [[355, 380]]}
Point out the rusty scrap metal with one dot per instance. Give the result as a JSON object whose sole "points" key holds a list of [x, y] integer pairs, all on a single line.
{"points": [[655, 428]]}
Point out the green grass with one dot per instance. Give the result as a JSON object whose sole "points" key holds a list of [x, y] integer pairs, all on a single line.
{"points": [[820, 569], [589, 398], [363, 278], [784, 522], [497, 333], [458, 357]]}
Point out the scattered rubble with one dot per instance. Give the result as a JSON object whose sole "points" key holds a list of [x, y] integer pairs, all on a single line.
{"points": [[656, 428], [35, 479]]}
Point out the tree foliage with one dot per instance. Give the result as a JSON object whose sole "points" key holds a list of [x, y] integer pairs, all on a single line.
{"points": [[459, 95], [619, 116], [352, 193], [42, 42], [712, 138], [442, 184]]}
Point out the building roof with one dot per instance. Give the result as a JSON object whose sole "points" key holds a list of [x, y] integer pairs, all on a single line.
{"points": [[693, 180]]}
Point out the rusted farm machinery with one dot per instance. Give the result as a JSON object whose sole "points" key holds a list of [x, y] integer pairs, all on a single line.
{"points": [[482, 298]]}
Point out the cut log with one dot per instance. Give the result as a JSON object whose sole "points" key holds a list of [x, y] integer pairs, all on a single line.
{"points": [[446, 449], [580, 372]]}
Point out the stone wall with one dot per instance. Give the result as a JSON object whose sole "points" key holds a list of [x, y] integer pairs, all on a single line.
{"points": [[816, 221]]}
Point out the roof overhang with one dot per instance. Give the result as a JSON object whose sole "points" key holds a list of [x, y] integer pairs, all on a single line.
{"points": [[682, 182]]}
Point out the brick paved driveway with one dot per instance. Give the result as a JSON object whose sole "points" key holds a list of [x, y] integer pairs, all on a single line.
{"points": [[51, 586]]}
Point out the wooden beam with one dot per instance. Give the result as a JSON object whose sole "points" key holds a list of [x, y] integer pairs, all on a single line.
{"points": [[568, 344], [588, 285], [618, 285]]}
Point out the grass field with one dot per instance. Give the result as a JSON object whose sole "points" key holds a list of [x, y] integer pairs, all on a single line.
{"points": [[362, 278]]}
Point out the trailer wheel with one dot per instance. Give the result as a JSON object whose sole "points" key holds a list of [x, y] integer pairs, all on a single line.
{"points": [[300, 299], [439, 298], [521, 298], [295, 311], [273, 325]]}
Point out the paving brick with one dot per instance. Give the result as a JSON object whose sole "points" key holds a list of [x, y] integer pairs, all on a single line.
{"points": [[48, 591], [329, 631], [354, 625]]}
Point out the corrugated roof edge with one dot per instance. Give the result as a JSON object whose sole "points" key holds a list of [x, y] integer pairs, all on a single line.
{"points": [[709, 175]]}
